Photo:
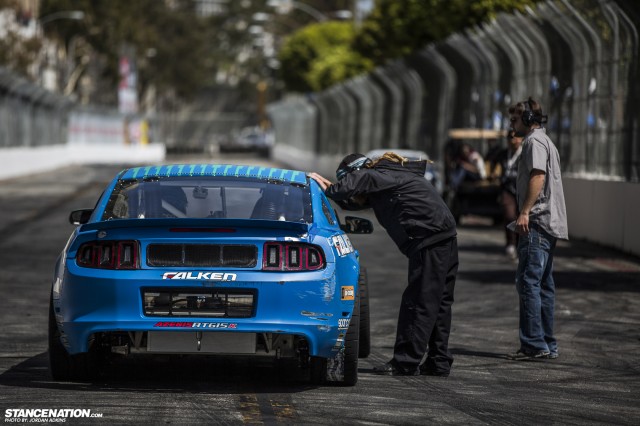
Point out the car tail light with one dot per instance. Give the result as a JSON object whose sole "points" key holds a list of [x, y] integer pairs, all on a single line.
{"points": [[292, 257], [109, 255]]}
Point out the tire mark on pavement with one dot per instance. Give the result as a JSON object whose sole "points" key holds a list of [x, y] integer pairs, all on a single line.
{"points": [[266, 409], [434, 387]]}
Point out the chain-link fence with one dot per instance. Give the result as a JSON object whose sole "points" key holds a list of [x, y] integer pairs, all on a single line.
{"points": [[578, 58], [30, 116]]}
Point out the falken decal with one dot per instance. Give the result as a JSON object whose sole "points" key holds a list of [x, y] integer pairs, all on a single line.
{"points": [[342, 244], [347, 292], [188, 324], [191, 275]]}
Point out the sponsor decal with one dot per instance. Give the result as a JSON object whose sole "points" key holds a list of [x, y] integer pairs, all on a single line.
{"points": [[347, 292], [192, 275], [342, 243], [343, 323], [189, 324]]}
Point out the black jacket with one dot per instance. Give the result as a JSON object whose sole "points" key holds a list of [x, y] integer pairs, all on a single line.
{"points": [[405, 203]]}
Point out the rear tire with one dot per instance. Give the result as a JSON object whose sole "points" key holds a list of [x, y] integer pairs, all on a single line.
{"points": [[351, 345], [58, 356], [319, 374], [364, 348], [64, 367], [85, 367]]}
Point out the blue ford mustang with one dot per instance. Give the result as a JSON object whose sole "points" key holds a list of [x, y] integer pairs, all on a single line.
{"points": [[214, 260]]}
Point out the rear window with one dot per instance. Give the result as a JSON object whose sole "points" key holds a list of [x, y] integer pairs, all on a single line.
{"points": [[198, 197]]}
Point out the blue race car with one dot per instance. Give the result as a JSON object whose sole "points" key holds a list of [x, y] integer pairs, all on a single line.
{"points": [[215, 260]]}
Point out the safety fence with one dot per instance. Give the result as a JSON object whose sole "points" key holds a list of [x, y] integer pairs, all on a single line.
{"points": [[578, 58], [30, 116], [41, 130]]}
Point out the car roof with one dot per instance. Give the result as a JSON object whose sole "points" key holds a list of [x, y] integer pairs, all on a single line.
{"points": [[217, 170]]}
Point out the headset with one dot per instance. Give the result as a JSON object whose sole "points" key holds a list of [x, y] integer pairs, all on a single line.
{"points": [[529, 117]]}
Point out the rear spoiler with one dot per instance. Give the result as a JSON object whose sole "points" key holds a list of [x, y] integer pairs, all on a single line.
{"points": [[205, 224]]}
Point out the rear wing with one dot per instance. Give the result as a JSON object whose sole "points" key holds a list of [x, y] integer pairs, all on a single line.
{"points": [[195, 224]]}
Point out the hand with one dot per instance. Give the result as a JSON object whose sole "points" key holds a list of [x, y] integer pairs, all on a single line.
{"points": [[522, 224], [323, 182]]}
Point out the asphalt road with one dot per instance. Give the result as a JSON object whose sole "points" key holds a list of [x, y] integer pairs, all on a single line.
{"points": [[596, 379]]}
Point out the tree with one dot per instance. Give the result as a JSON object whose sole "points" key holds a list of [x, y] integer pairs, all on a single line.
{"points": [[319, 55], [16, 52], [168, 39], [398, 28]]}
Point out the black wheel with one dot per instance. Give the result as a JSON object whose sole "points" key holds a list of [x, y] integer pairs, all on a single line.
{"points": [[58, 356], [349, 359], [65, 367], [364, 348], [265, 152], [85, 367], [351, 345], [318, 370]]}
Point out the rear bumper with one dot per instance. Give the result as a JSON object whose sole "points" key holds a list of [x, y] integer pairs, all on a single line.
{"points": [[311, 305]]}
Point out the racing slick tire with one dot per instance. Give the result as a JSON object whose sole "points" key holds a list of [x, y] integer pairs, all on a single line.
{"points": [[65, 367], [319, 373], [58, 356], [364, 348]]}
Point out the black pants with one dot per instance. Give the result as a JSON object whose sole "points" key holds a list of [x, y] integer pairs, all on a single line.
{"points": [[425, 312]]}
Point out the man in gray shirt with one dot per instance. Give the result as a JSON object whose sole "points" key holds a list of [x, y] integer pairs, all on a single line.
{"points": [[542, 220]]}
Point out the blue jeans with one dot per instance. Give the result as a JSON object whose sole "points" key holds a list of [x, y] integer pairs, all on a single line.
{"points": [[460, 175], [534, 282]]}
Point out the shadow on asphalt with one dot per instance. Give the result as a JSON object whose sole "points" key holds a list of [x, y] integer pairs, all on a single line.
{"points": [[623, 276], [480, 354], [571, 280], [187, 374]]}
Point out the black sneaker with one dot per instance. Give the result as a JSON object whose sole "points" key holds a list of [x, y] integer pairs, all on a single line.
{"points": [[553, 355], [390, 369], [522, 355], [426, 371]]}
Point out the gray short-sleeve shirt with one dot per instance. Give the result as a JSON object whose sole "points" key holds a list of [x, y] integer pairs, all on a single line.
{"points": [[549, 211]]}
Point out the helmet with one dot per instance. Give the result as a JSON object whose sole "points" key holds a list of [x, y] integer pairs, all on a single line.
{"points": [[351, 163]]}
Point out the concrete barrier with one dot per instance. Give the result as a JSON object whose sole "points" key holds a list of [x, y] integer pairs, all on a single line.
{"points": [[28, 160], [604, 212]]}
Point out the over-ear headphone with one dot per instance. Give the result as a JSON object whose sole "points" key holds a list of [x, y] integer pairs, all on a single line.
{"points": [[528, 117]]}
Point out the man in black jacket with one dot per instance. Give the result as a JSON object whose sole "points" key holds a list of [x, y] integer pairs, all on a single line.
{"points": [[420, 223]]}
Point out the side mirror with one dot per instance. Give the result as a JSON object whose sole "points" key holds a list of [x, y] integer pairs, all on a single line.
{"points": [[80, 217], [357, 225]]}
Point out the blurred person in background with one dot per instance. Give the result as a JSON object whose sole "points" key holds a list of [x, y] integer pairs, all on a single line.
{"points": [[468, 165], [508, 159]]}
